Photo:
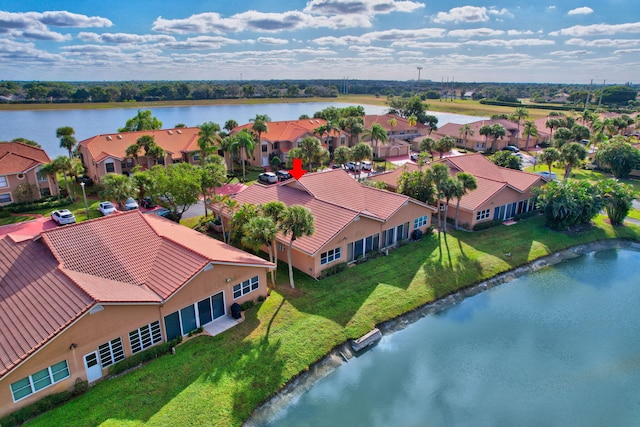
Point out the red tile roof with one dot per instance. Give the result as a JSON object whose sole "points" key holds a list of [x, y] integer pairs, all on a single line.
{"points": [[16, 157], [129, 258], [288, 130], [335, 200], [402, 124], [490, 177], [173, 141], [37, 300]]}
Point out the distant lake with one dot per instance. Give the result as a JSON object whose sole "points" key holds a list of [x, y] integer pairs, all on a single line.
{"points": [[40, 126]]}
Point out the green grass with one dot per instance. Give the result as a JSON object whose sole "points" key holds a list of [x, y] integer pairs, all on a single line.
{"points": [[583, 174], [220, 380], [14, 219]]}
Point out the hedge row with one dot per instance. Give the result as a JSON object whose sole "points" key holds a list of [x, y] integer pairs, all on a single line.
{"points": [[144, 356], [534, 106], [43, 405], [49, 202]]}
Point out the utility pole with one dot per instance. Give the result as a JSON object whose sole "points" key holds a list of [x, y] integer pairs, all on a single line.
{"points": [[604, 82], [418, 85], [586, 102]]}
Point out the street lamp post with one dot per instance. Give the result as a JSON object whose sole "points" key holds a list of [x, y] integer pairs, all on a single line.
{"points": [[84, 195]]}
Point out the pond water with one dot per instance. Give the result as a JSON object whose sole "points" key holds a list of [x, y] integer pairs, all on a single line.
{"points": [[40, 126], [560, 346]]}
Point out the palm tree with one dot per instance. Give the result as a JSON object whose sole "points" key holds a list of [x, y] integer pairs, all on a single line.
{"points": [[229, 145], [132, 151], [450, 187], [549, 156], [467, 183], [246, 144], [63, 164], [297, 221], [208, 138], [467, 131], [427, 145], [445, 144], [412, 120], [572, 154], [552, 124], [230, 124], [260, 231], [529, 130], [486, 131], [497, 132], [49, 171], [438, 174], [154, 152], [377, 134], [275, 211], [519, 114], [67, 140], [118, 187]]}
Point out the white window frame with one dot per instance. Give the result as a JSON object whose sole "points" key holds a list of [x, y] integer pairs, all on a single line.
{"points": [[51, 375], [330, 256], [111, 352], [483, 214], [145, 337], [4, 182], [246, 287], [420, 221]]}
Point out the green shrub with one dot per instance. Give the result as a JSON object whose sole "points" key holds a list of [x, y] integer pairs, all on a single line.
{"points": [[335, 269], [143, 356], [487, 224], [5, 214], [247, 305], [49, 202], [30, 411]]}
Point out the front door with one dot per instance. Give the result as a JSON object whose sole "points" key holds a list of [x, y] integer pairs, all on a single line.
{"points": [[218, 305], [92, 365]]}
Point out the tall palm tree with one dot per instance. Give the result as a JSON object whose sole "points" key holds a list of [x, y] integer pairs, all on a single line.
{"points": [[552, 124], [519, 114], [497, 132], [275, 211], [63, 164], [427, 145], [260, 231], [208, 139], [377, 134], [445, 144], [529, 130], [67, 139], [486, 131], [467, 131], [438, 174], [467, 183], [572, 154], [246, 145], [154, 152], [549, 156], [297, 221], [230, 124], [132, 151], [49, 171], [229, 146]]}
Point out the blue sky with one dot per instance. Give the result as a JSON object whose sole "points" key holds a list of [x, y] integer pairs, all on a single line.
{"points": [[561, 41]]}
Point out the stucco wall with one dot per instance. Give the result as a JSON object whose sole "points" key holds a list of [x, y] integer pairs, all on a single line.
{"points": [[116, 321]]}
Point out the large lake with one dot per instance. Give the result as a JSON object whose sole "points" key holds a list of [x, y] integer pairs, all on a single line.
{"points": [[40, 126], [559, 347]]}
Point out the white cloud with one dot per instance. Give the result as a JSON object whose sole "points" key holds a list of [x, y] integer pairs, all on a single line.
{"points": [[519, 32], [501, 12], [626, 51], [124, 38], [360, 7], [598, 29], [476, 32], [620, 43], [570, 53], [511, 43], [200, 43], [90, 48], [463, 14], [35, 25], [62, 18], [580, 11], [426, 45], [271, 40]]}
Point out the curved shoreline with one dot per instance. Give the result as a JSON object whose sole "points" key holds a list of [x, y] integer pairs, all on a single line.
{"points": [[341, 353]]}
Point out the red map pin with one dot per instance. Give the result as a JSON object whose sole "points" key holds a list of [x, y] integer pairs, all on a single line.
{"points": [[297, 170]]}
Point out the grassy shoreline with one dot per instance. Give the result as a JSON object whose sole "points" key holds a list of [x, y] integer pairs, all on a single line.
{"points": [[221, 380], [466, 107]]}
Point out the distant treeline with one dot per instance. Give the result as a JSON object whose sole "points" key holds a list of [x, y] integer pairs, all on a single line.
{"points": [[79, 92]]}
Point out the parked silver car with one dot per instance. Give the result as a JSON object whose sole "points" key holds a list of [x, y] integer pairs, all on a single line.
{"points": [[268, 177]]}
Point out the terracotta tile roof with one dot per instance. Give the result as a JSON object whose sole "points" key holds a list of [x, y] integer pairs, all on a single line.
{"points": [[288, 130], [129, 258], [173, 141], [16, 157], [37, 300], [402, 124], [490, 178], [333, 209]]}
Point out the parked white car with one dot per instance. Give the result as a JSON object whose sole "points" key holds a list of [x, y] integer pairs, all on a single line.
{"points": [[131, 204], [367, 165], [63, 217], [106, 208]]}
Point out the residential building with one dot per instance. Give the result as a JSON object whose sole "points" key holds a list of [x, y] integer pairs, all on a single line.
{"points": [[400, 134], [77, 299], [282, 136], [502, 193], [475, 141], [351, 219], [20, 166], [106, 153]]}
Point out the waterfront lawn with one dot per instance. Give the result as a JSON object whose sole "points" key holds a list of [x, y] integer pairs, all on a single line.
{"points": [[220, 380]]}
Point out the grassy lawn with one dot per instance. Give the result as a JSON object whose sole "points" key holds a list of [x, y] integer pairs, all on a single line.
{"points": [[14, 219], [220, 380]]}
